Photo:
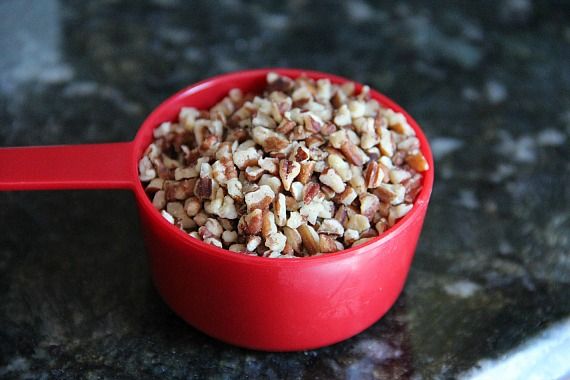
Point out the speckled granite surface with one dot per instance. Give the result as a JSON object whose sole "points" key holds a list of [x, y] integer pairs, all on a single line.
{"points": [[487, 80]]}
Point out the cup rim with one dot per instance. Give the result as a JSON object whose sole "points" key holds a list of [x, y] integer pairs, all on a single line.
{"points": [[200, 247]]}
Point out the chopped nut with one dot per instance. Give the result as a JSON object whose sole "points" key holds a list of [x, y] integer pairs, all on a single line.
{"points": [[417, 162], [350, 236], [276, 242], [268, 226], [146, 171], [342, 117], [306, 171], [167, 216], [398, 212], [330, 178], [358, 222], [252, 243], [280, 210], [259, 199], [361, 241], [203, 189], [238, 248], [159, 200], [369, 204], [347, 196], [288, 171], [234, 187], [331, 227], [393, 194], [310, 238], [399, 175], [297, 191], [373, 176], [327, 243], [273, 182], [271, 141], [246, 157], [293, 238], [341, 167], [353, 153], [295, 220], [270, 165], [310, 191], [251, 223], [253, 173]]}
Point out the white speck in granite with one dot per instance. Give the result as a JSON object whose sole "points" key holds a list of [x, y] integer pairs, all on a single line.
{"points": [[470, 94], [443, 146], [462, 288], [358, 10], [16, 364], [521, 149], [274, 21], [550, 137], [502, 172], [467, 199], [542, 357], [495, 91], [376, 350]]}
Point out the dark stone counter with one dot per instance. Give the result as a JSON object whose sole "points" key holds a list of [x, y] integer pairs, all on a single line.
{"points": [[488, 81]]}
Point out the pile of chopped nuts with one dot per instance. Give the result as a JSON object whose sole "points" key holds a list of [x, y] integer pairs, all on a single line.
{"points": [[308, 167]]}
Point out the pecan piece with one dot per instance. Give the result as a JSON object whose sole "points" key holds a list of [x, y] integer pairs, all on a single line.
{"points": [[306, 172], [288, 170], [310, 238]]}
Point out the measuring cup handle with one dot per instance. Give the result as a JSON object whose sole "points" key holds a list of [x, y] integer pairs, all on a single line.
{"points": [[89, 166]]}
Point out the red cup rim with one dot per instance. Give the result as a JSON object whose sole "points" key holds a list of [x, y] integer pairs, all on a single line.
{"points": [[365, 248]]}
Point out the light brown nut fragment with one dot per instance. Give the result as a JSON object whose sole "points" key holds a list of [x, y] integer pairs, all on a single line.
{"points": [[369, 204], [201, 218], [203, 188], [259, 199], [330, 178], [252, 243], [250, 224], [341, 215], [146, 170], [211, 228], [288, 170], [159, 200], [310, 190], [229, 236], [269, 140], [353, 153], [246, 157], [273, 182], [399, 175], [381, 226], [253, 173], [176, 209], [285, 126], [299, 154], [276, 242], [297, 191], [237, 248], [192, 206], [224, 170], [306, 171], [393, 194], [341, 167], [417, 162], [295, 220], [338, 138], [331, 227], [310, 238], [350, 236], [358, 222], [234, 188], [293, 238], [214, 241], [398, 212], [291, 204], [178, 190], [357, 181], [327, 243], [373, 175], [361, 241], [268, 226], [184, 173], [269, 164], [347, 196], [386, 143], [342, 116], [280, 210], [155, 185]]}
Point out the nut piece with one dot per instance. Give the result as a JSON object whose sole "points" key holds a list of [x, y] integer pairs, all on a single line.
{"points": [[259, 199], [268, 226], [246, 157], [358, 222], [288, 170], [350, 236], [310, 238], [310, 191], [330, 178], [237, 248], [251, 223], [327, 243], [295, 220], [331, 227], [307, 169], [417, 162], [270, 141], [280, 209], [229, 236], [276, 242], [341, 167], [293, 238], [369, 204], [347, 196], [373, 175], [252, 243]]}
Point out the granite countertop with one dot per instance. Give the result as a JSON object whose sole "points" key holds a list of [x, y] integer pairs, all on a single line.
{"points": [[488, 292]]}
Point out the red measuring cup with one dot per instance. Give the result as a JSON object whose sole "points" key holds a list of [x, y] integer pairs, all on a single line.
{"points": [[254, 302]]}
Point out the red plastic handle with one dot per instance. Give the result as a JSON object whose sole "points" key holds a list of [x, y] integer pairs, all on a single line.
{"points": [[89, 166]]}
